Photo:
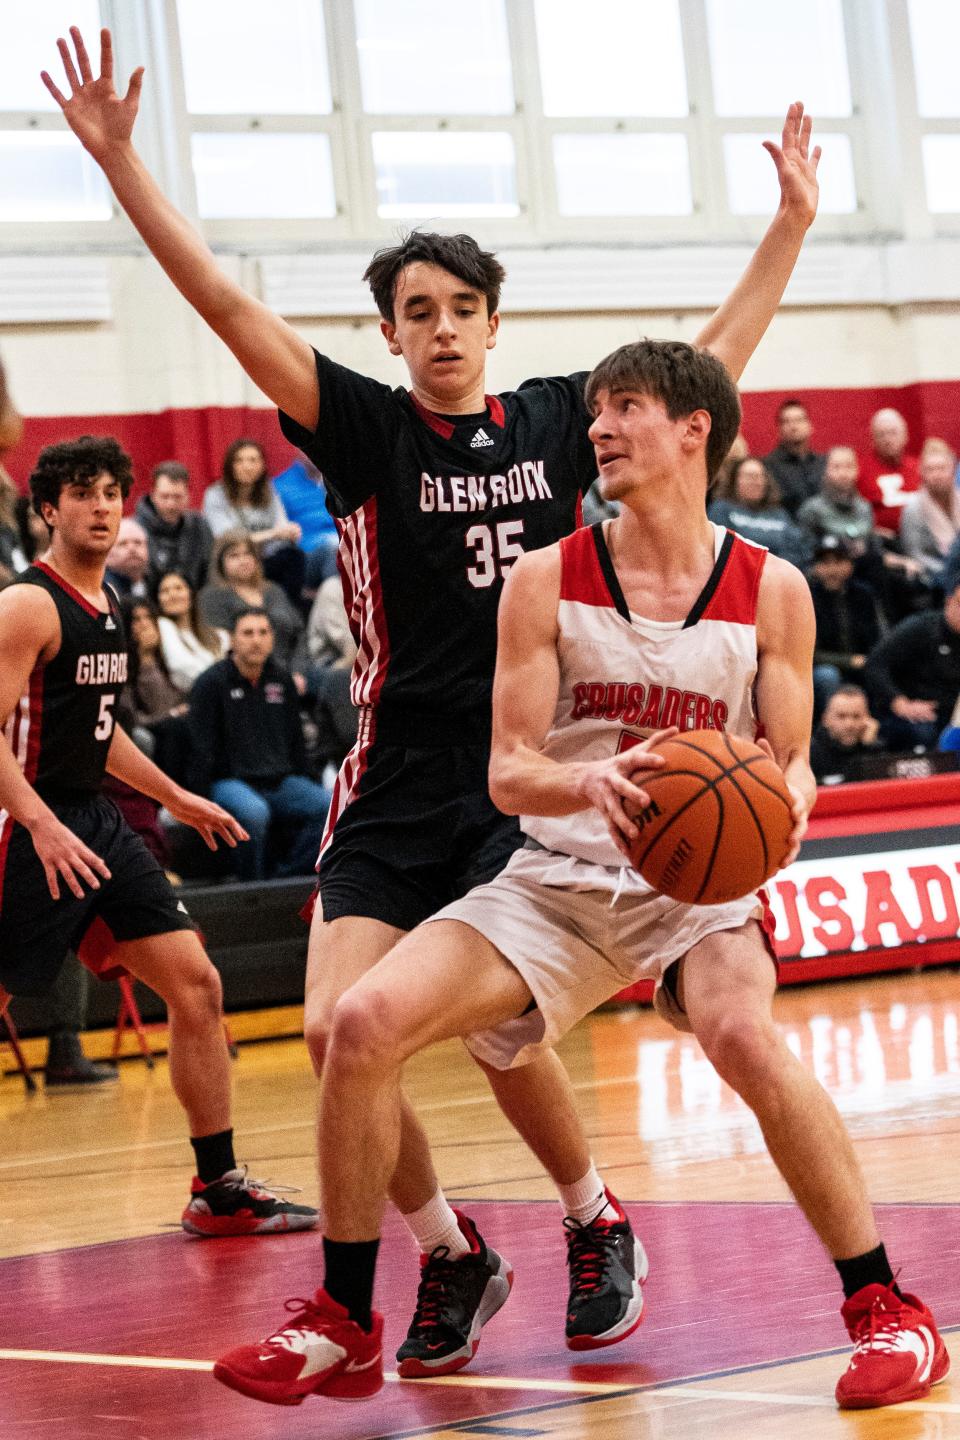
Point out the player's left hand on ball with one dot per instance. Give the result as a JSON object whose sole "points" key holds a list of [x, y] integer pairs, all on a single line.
{"points": [[208, 819]]}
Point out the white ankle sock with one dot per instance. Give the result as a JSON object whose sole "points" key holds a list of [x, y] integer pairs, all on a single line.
{"points": [[435, 1224], [586, 1199]]}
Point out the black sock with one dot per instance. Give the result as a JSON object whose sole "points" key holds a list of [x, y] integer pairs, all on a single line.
{"points": [[348, 1276], [214, 1155], [873, 1268]]}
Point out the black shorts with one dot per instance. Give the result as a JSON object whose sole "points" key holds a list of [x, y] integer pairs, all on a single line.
{"points": [[37, 932], [420, 831]]}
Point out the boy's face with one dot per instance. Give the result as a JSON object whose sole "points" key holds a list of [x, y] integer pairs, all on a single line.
{"points": [[441, 328], [636, 441], [87, 516], [845, 717]]}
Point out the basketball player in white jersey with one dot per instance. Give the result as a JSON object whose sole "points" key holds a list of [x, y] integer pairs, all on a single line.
{"points": [[655, 618]]}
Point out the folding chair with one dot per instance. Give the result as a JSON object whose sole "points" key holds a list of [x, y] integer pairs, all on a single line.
{"points": [[13, 1040]]}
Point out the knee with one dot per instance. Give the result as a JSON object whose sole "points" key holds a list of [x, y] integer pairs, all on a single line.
{"points": [[364, 1034], [197, 998], [741, 1046], [316, 1034]]}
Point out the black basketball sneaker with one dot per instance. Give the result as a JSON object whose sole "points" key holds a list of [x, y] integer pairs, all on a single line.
{"points": [[608, 1266], [237, 1205], [455, 1300]]}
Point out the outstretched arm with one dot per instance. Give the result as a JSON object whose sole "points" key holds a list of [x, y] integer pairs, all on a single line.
{"points": [[737, 328], [275, 357], [129, 764]]}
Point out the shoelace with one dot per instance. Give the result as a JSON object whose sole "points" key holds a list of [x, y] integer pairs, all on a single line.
{"points": [[243, 1180], [431, 1294], [305, 1313], [588, 1248], [880, 1328]]}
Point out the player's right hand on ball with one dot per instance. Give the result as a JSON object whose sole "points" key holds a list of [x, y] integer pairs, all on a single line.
{"points": [[610, 786], [65, 857]]}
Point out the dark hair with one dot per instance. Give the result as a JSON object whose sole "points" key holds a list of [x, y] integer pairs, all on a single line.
{"points": [[683, 378], [250, 610], [855, 692], [129, 606], [205, 633], [260, 494], [173, 471], [771, 494], [792, 404], [78, 462], [459, 254]]}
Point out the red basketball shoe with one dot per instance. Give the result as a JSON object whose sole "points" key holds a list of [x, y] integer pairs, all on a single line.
{"points": [[898, 1353], [320, 1351]]}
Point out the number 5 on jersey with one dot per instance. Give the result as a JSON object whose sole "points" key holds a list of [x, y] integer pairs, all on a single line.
{"points": [[495, 548], [105, 719]]}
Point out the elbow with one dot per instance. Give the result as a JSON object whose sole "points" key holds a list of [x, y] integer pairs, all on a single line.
{"points": [[503, 792]]}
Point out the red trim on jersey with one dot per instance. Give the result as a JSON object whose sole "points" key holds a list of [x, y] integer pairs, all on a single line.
{"points": [[68, 589], [495, 407], [735, 598], [436, 422], [35, 720], [581, 578], [359, 560], [346, 786]]}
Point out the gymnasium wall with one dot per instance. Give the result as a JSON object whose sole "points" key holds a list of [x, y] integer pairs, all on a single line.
{"points": [[155, 377]]}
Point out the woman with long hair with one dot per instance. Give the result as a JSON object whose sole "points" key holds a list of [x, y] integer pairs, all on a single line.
{"points": [[155, 694], [236, 581], [752, 508], [188, 644], [244, 498]]}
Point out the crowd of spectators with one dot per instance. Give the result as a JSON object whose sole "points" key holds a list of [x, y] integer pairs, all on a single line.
{"points": [[241, 652]]}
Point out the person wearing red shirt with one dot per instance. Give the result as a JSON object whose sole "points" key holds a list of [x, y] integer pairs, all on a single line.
{"points": [[888, 475]]}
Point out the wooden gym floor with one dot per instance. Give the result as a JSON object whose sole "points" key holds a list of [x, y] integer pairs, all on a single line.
{"points": [[110, 1317]]}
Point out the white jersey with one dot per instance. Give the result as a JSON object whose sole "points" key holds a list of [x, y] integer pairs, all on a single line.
{"points": [[623, 676]]}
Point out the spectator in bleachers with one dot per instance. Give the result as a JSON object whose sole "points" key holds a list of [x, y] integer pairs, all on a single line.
{"points": [[950, 737], [913, 675], [847, 732], [9, 532], [848, 620], [950, 574], [189, 645], [304, 498], [332, 650], [236, 583], [245, 499], [930, 522], [752, 508], [888, 474], [839, 509], [248, 751], [797, 469], [33, 537], [129, 561], [178, 538]]}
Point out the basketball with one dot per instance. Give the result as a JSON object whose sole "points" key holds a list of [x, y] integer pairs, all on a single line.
{"points": [[718, 823]]}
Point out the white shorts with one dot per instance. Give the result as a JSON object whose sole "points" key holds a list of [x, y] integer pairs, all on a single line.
{"points": [[578, 933]]}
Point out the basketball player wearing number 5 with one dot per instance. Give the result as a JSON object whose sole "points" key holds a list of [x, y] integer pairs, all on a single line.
{"points": [[661, 601]]}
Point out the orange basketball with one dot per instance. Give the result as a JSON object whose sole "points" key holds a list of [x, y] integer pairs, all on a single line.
{"points": [[718, 823]]}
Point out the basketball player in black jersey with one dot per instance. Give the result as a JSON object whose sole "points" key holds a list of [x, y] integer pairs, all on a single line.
{"points": [[437, 491], [73, 875]]}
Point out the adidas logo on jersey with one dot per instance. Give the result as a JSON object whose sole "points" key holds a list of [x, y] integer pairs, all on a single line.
{"points": [[109, 625], [481, 440]]}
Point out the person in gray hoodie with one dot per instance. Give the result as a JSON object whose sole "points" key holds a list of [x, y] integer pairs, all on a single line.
{"points": [[178, 538]]}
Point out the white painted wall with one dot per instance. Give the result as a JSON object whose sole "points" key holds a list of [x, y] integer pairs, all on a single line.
{"points": [[154, 354]]}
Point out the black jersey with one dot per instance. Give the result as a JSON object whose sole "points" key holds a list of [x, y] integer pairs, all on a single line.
{"points": [[61, 727], [432, 512]]}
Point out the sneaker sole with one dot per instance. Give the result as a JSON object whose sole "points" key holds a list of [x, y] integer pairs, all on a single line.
{"points": [[632, 1317], [494, 1297], [353, 1386], [219, 1227]]}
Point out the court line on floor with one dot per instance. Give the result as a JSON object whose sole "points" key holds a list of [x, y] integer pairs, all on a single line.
{"points": [[464, 1382]]}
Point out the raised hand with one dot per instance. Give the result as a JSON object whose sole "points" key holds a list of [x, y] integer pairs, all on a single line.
{"points": [[796, 166], [96, 114]]}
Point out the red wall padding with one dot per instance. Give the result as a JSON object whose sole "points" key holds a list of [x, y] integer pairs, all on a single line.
{"points": [[198, 438]]}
